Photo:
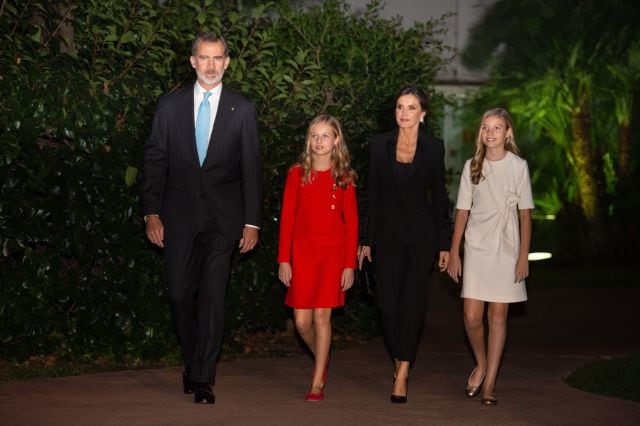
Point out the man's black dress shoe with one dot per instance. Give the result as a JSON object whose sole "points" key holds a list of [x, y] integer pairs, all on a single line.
{"points": [[204, 395], [187, 386]]}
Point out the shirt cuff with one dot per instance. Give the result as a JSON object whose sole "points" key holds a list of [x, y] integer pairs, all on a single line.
{"points": [[252, 226], [149, 215]]}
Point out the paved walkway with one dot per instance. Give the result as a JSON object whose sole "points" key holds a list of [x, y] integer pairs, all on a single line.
{"points": [[556, 331]]}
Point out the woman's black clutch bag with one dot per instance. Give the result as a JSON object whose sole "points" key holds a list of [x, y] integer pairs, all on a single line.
{"points": [[366, 276]]}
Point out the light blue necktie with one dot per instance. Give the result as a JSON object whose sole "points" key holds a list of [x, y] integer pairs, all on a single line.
{"points": [[202, 127]]}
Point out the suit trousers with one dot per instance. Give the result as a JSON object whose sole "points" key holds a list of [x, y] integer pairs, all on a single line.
{"points": [[198, 272], [402, 277]]}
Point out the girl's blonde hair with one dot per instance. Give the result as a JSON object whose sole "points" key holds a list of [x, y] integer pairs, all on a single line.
{"points": [[509, 143], [341, 169]]}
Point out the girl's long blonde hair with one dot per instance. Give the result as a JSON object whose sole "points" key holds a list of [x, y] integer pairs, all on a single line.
{"points": [[509, 143], [341, 169]]}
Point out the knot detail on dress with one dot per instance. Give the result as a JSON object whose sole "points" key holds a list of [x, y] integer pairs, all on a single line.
{"points": [[509, 224]]}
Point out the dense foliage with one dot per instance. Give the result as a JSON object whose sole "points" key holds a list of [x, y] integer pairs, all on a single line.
{"points": [[614, 377], [79, 81], [569, 71]]}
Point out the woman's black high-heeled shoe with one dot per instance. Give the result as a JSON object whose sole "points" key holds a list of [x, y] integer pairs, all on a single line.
{"points": [[400, 399]]}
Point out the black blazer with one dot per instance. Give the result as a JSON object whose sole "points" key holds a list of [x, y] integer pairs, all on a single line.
{"points": [[229, 182], [414, 212]]}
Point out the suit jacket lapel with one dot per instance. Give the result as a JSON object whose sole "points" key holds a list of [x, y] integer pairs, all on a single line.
{"points": [[421, 153], [391, 150], [222, 116], [391, 157], [418, 157], [187, 120]]}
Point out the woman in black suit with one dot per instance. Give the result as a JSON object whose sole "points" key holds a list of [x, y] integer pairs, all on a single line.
{"points": [[407, 210]]}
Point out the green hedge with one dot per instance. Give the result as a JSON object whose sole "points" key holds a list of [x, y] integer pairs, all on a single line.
{"points": [[79, 82], [614, 377]]}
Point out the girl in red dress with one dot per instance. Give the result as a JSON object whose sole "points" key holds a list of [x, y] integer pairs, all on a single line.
{"points": [[318, 239]]}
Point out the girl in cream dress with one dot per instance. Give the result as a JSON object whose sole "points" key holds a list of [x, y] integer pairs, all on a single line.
{"points": [[494, 186]]}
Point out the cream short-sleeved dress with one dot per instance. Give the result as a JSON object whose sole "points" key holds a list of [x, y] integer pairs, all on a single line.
{"points": [[492, 235]]}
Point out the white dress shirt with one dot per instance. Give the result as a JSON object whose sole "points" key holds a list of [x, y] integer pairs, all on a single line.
{"points": [[214, 101]]}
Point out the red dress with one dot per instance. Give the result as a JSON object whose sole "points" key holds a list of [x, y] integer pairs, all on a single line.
{"points": [[318, 236]]}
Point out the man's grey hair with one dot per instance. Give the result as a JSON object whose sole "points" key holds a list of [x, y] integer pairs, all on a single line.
{"points": [[208, 38]]}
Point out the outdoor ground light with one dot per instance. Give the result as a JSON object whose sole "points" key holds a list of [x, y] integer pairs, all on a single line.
{"points": [[539, 255]]}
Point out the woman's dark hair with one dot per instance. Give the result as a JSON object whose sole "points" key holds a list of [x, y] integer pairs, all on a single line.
{"points": [[415, 91]]}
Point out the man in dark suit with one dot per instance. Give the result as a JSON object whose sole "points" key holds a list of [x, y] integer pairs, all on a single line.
{"points": [[201, 194]]}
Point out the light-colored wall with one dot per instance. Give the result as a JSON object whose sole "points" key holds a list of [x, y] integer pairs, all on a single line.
{"points": [[455, 81], [463, 13]]}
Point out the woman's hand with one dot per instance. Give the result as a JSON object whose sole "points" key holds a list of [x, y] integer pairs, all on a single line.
{"points": [[284, 273], [363, 251], [347, 279], [454, 268], [443, 261], [522, 268]]}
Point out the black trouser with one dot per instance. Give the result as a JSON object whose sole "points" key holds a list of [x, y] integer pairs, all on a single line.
{"points": [[198, 272], [402, 286]]}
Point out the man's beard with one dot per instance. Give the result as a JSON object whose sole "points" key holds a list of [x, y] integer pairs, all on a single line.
{"points": [[210, 80]]}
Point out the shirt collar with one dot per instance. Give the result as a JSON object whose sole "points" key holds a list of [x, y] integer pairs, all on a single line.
{"points": [[199, 90]]}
